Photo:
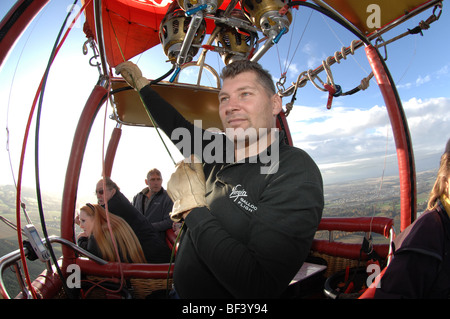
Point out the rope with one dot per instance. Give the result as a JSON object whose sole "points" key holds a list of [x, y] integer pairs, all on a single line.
{"points": [[116, 250], [298, 84], [155, 126], [312, 76], [140, 97], [423, 25], [122, 277], [338, 56], [38, 193], [172, 255], [7, 120], [18, 190], [300, 40], [288, 63], [328, 86], [39, 93], [326, 67]]}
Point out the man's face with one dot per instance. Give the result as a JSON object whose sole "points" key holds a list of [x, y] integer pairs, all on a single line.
{"points": [[101, 194], [245, 106], [154, 183]]}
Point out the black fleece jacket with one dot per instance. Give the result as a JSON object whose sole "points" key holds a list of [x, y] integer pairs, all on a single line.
{"points": [[258, 229], [155, 250]]}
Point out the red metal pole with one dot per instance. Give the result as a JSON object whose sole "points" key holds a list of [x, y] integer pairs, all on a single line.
{"points": [[111, 151], [405, 155], [73, 170], [15, 22], [282, 125]]}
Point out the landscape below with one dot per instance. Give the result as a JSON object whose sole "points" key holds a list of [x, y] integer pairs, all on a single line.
{"points": [[361, 198]]}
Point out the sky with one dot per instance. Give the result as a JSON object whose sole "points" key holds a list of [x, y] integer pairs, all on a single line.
{"points": [[351, 141]]}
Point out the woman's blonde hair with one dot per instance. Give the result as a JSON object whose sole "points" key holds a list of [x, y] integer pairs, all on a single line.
{"points": [[441, 183], [127, 243]]}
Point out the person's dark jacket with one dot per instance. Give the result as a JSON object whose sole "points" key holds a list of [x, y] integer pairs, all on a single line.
{"points": [[258, 229], [157, 212], [155, 249], [91, 245], [420, 267]]}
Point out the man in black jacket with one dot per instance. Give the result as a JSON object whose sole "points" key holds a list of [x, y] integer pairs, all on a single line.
{"points": [[154, 203], [251, 217], [155, 249]]}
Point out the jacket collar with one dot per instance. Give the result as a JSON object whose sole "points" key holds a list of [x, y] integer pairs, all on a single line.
{"points": [[146, 190]]}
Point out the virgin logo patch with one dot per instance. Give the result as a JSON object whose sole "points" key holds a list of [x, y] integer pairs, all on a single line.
{"points": [[238, 193]]}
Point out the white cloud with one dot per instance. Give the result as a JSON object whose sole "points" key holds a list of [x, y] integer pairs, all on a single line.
{"points": [[433, 76], [429, 122], [314, 58], [422, 80], [443, 71], [355, 143], [293, 69]]}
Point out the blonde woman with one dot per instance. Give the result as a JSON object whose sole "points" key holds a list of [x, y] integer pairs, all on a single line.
{"points": [[421, 264], [96, 236], [155, 248]]}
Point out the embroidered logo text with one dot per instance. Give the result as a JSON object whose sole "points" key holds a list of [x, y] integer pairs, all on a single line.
{"points": [[238, 193]]}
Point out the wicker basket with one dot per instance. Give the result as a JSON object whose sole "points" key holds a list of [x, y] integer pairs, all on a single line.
{"points": [[335, 263], [136, 288]]}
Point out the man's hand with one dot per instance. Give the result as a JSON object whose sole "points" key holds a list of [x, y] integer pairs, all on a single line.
{"points": [[132, 74], [186, 188]]}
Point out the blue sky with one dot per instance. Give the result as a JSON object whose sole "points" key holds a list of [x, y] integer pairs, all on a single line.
{"points": [[353, 140]]}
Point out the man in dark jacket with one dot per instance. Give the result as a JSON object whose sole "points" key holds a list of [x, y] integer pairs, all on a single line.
{"points": [[154, 203], [155, 250], [250, 220]]}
